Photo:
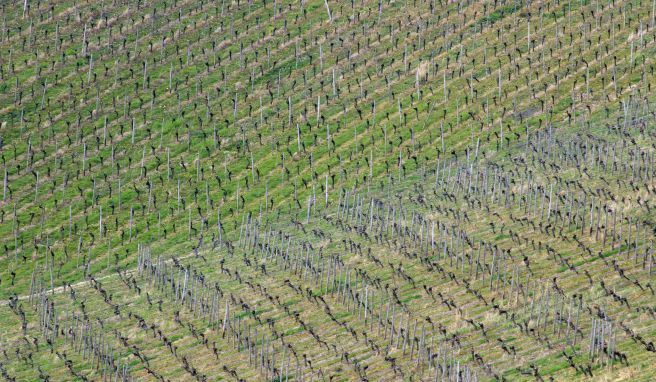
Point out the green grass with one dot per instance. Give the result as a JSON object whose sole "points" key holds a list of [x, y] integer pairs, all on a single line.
{"points": [[406, 36]]}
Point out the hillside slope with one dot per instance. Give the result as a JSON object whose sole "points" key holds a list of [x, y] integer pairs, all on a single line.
{"points": [[297, 190]]}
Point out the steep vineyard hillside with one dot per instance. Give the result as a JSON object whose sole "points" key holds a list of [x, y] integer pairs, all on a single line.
{"points": [[321, 190]]}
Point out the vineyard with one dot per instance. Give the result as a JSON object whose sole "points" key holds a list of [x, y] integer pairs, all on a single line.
{"points": [[385, 190]]}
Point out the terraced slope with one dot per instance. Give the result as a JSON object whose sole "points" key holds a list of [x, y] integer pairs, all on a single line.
{"points": [[340, 191]]}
